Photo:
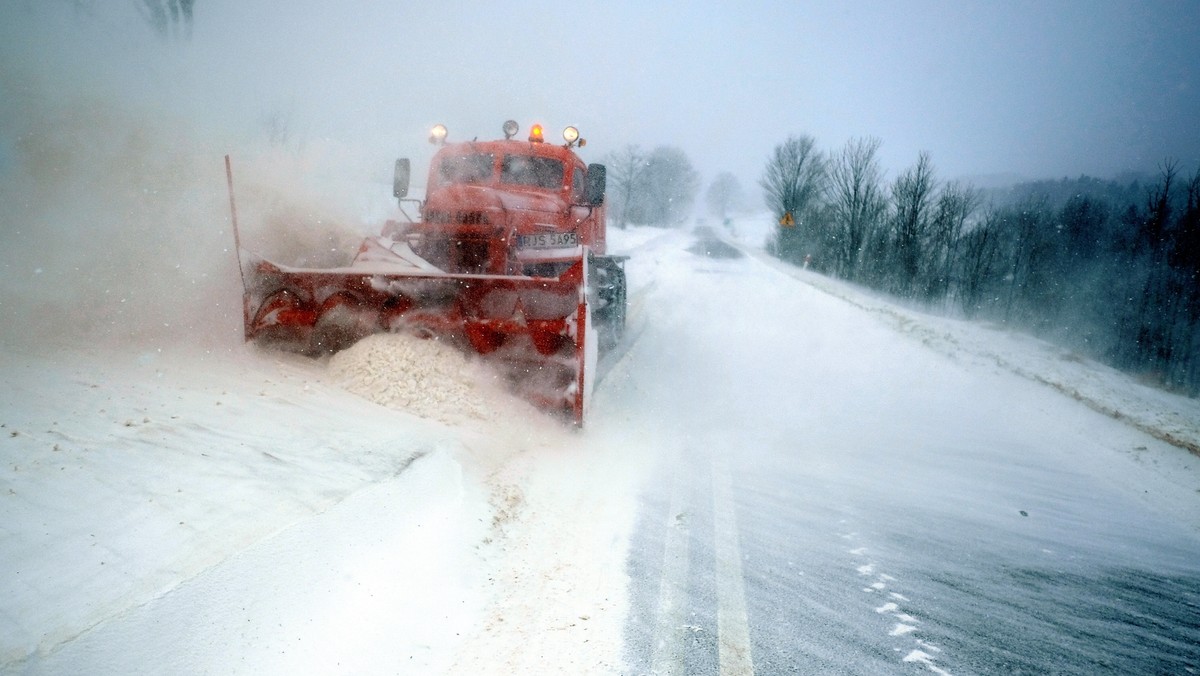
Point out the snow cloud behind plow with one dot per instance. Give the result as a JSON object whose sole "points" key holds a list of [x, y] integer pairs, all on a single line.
{"points": [[116, 223]]}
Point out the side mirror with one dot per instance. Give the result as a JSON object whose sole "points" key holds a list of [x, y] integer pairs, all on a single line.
{"points": [[400, 178], [593, 192]]}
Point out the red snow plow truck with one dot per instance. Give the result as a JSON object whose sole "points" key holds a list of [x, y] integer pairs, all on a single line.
{"points": [[506, 260]]}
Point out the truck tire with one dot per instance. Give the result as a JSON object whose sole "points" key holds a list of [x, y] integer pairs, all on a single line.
{"points": [[609, 288]]}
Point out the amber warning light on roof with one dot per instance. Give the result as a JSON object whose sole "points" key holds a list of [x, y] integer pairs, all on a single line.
{"points": [[535, 134]]}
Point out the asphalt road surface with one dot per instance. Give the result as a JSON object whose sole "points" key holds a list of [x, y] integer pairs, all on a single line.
{"points": [[840, 499]]}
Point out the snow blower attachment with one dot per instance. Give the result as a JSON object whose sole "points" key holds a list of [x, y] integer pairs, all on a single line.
{"points": [[507, 261]]}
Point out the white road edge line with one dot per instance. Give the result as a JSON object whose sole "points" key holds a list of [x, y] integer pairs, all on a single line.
{"points": [[672, 595], [733, 627]]}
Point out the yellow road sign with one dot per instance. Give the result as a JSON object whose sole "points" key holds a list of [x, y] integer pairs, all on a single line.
{"points": [[787, 220]]}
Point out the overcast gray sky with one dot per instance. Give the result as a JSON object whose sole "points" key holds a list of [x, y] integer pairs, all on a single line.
{"points": [[1033, 88]]}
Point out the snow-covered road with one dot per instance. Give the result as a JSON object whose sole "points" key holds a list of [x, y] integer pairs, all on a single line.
{"points": [[780, 473], [898, 508]]}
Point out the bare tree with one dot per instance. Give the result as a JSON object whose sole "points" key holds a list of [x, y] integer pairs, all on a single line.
{"points": [[626, 168], [169, 18], [1030, 250], [1152, 235], [1158, 303], [655, 188], [793, 186], [955, 204], [856, 201], [724, 195], [1185, 263], [977, 262], [666, 189], [795, 177], [912, 195]]}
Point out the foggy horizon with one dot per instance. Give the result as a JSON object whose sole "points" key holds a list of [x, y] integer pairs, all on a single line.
{"points": [[995, 93]]}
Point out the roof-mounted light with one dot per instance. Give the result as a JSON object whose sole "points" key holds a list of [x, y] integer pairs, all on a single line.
{"points": [[510, 129], [535, 134], [437, 135], [570, 135]]}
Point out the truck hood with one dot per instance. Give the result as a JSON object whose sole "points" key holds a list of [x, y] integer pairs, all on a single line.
{"points": [[468, 198]]}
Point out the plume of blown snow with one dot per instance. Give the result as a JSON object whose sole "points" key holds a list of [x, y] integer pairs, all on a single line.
{"points": [[116, 224], [421, 376]]}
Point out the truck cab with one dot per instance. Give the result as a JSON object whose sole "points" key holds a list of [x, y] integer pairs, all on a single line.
{"points": [[526, 208], [523, 207]]}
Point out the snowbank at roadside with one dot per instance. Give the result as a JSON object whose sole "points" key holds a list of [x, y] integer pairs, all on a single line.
{"points": [[1168, 417], [128, 473]]}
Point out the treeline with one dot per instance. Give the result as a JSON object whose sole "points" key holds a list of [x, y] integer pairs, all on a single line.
{"points": [[1109, 269]]}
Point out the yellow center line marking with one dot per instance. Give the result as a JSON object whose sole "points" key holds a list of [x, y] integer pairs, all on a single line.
{"points": [[733, 628], [672, 595]]}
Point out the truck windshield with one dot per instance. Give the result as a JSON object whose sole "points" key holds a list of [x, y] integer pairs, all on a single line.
{"points": [[541, 172], [473, 168]]}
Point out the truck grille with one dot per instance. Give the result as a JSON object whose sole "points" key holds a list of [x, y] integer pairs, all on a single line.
{"points": [[460, 254]]}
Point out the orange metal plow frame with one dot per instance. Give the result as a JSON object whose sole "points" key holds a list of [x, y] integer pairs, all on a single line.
{"points": [[532, 329]]}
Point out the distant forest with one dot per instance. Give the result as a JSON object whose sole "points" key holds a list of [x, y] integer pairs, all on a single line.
{"points": [[1108, 268]]}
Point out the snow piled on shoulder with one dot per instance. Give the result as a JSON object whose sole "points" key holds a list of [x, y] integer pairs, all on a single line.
{"points": [[1168, 417], [129, 473]]}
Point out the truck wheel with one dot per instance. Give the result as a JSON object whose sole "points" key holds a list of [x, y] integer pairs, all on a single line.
{"points": [[610, 318]]}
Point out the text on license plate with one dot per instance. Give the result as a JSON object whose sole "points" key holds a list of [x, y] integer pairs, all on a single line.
{"points": [[548, 240]]}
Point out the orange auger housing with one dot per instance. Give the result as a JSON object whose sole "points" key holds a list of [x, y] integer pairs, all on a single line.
{"points": [[507, 260]]}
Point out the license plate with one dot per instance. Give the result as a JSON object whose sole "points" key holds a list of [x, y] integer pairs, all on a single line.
{"points": [[548, 240]]}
